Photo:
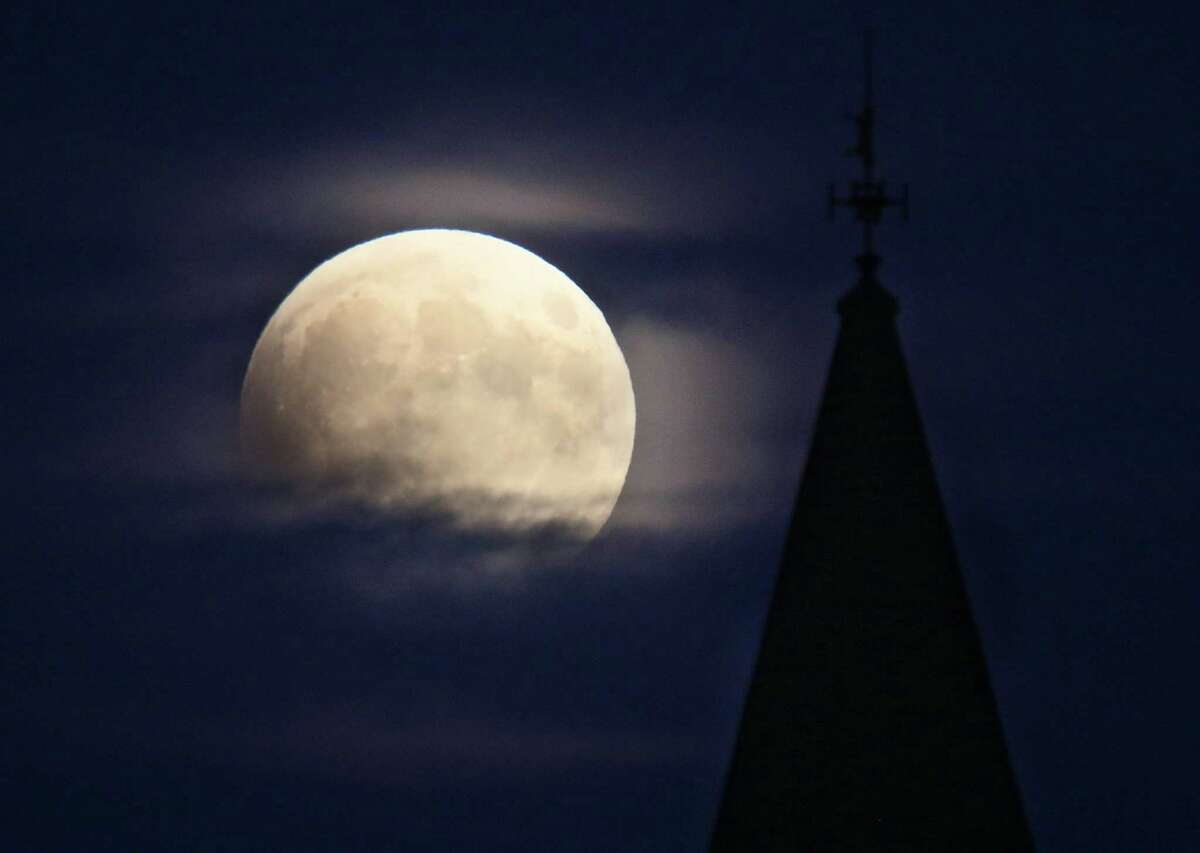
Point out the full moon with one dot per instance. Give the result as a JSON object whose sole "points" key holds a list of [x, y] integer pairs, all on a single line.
{"points": [[447, 373]]}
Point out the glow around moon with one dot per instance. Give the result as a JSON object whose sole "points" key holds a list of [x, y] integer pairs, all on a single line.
{"points": [[443, 372]]}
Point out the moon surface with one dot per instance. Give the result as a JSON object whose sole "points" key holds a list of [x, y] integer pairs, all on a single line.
{"points": [[447, 373]]}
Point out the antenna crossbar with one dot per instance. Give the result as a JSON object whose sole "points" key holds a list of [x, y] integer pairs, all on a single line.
{"points": [[867, 197]]}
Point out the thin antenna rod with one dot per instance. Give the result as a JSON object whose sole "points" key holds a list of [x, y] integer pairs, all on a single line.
{"points": [[866, 118], [868, 197], [868, 38]]}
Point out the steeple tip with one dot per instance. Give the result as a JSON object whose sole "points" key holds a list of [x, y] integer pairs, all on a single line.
{"points": [[868, 299]]}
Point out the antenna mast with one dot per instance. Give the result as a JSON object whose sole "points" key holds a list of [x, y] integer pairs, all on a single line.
{"points": [[868, 196]]}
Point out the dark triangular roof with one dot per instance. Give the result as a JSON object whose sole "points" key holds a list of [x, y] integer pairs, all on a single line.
{"points": [[870, 722]]}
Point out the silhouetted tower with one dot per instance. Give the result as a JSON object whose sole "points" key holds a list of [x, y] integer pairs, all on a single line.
{"points": [[870, 722]]}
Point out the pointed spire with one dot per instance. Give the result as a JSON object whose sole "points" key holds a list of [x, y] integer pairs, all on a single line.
{"points": [[869, 723]]}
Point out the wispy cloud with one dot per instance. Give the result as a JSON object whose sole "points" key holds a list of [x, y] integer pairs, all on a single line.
{"points": [[725, 392], [710, 396], [367, 197], [700, 459], [368, 744], [706, 378], [598, 176]]}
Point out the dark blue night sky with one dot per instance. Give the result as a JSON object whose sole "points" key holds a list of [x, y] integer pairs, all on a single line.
{"points": [[184, 672]]}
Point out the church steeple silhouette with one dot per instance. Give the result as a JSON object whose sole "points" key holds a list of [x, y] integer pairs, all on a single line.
{"points": [[870, 722]]}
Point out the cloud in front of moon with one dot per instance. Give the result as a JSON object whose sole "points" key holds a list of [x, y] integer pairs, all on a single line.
{"points": [[446, 373]]}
